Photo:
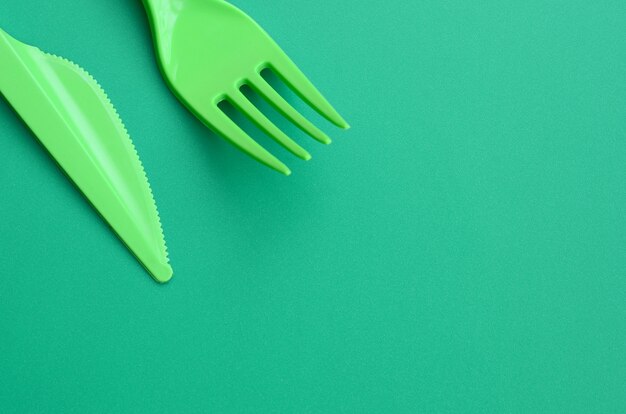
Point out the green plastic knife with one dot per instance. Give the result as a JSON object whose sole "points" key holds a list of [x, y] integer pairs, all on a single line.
{"points": [[73, 118]]}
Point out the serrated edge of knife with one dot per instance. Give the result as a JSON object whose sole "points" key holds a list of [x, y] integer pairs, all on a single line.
{"points": [[118, 119]]}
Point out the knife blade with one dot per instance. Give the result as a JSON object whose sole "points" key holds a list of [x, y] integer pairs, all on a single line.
{"points": [[76, 122]]}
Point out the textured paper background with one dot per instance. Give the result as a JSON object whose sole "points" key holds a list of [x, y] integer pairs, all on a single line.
{"points": [[461, 249]]}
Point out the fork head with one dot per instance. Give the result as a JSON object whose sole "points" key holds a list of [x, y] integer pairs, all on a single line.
{"points": [[208, 50]]}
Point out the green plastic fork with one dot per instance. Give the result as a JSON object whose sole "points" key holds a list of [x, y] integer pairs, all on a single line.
{"points": [[208, 49]]}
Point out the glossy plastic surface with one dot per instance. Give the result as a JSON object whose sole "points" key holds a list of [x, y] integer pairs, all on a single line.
{"points": [[75, 121], [208, 49]]}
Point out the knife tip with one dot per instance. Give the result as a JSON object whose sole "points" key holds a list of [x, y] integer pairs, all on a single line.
{"points": [[162, 273]]}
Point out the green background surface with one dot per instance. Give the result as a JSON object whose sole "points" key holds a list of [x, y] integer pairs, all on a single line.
{"points": [[461, 249]]}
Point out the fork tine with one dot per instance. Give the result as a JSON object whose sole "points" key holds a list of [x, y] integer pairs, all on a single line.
{"points": [[293, 76], [259, 119], [281, 105], [226, 127]]}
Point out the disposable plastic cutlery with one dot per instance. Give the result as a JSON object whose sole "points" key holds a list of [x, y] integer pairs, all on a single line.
{"points": [[208, 49], [75, 121]]}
